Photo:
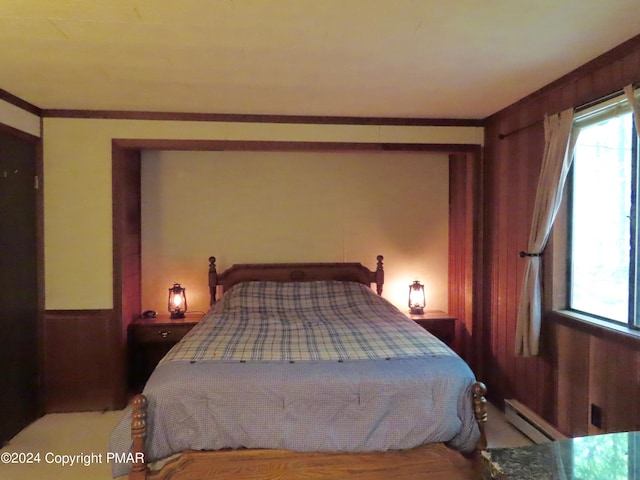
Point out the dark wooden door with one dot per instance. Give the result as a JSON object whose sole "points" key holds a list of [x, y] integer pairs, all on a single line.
{"points": [[18, 285]]}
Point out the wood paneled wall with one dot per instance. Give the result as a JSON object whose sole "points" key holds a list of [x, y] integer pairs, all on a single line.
{"points": [[78, 360], [594, 366], [127, 255], [465, 256], [552, 384]]}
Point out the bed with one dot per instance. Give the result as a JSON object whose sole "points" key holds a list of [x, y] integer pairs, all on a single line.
{"points": [[302, 366]]}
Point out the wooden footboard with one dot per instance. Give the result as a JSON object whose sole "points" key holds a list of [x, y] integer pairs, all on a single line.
{"points": [[434, 461], [478, 392], [139, 468]]}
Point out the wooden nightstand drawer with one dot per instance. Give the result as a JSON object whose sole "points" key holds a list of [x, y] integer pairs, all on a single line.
{"points": [[150, 340], [438, 324], [159, 333]]}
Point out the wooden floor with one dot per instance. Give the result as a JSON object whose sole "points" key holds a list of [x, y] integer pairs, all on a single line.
{"points": [[434, 462]]}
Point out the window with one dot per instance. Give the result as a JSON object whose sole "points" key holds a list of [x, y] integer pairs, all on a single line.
{"points": [[611, 456], [604, 245]]}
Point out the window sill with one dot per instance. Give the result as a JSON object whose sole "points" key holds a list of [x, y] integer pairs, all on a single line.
{"points": [[598, 328]]}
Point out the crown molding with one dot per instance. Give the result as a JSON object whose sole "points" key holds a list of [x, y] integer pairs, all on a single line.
{"points": [[18, 102], [250, 118]]}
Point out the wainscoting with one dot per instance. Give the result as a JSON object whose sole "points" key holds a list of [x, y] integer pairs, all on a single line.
{"points": [[79, 370], [597, 369]]}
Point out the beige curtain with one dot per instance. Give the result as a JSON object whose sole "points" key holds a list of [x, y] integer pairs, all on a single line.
{"points": [[635, 105], [558, 154]]}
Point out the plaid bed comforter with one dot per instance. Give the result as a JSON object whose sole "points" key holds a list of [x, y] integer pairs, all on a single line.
{"points": [[247, 377], [304, 321]]}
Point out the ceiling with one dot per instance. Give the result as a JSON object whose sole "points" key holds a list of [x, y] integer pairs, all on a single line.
{"points": [[367, 58]]}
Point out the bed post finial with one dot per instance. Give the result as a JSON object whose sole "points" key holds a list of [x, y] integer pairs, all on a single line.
{"points": [[138, 435], [479, 390], [379, 275], [213, 280]]}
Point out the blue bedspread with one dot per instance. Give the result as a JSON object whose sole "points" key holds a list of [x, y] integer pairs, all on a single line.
{"points": [[412, 391]]}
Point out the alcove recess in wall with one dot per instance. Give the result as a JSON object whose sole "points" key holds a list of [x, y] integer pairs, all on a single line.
{"points": [[464, 245]]}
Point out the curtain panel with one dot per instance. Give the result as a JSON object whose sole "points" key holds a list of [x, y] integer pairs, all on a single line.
{"points": [[560, 138], [558, 154], [635, 105]]}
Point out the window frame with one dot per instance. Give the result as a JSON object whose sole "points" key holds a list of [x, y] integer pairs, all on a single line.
{"points": [[561, 249]]}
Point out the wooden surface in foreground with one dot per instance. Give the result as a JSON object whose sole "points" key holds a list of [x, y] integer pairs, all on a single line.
{"points": [[434, 462]]}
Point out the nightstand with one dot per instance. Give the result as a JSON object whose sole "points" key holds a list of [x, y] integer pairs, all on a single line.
{"points": [[439, 324], [150, 339]]}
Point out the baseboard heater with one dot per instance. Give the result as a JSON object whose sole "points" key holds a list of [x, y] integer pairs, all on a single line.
{"points": [[530, 423]]}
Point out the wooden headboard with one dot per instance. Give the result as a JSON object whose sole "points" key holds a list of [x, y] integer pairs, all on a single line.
{"points": [[294, 272]]}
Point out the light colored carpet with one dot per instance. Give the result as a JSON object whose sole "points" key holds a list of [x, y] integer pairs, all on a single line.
{"points": [[81, 436], [500, 433], [85, 438]]}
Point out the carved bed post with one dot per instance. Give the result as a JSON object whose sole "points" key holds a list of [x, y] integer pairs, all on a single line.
{"points": [[213, 280], [138, 435], [379, 275], [479, 390]]}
